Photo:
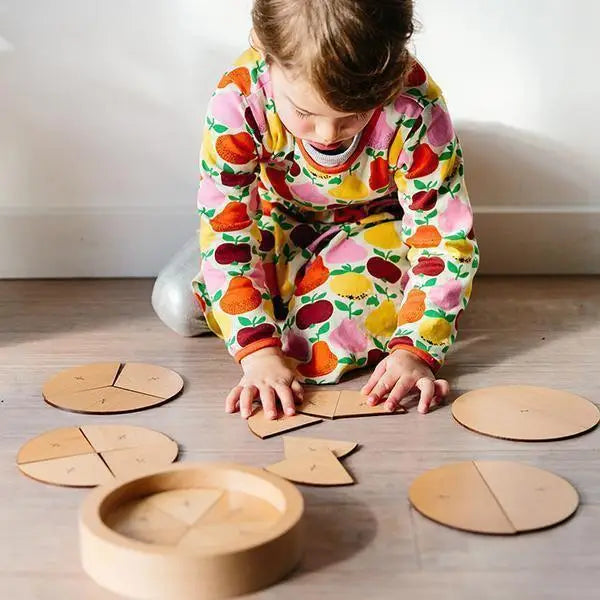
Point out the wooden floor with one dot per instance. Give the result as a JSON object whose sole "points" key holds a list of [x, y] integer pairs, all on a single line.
{"points": [[365, 541]]}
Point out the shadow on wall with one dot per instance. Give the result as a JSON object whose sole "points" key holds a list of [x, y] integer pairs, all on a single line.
{"points": [[508, 167]]}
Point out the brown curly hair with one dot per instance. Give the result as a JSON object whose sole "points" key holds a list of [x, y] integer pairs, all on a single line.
{"points": [[353, 52]]}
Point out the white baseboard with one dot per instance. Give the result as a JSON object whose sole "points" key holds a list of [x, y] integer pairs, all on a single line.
{"points": [[138, 241]]}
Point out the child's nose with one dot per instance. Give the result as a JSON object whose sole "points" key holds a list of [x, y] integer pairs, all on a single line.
{"points": [[328, 132]]}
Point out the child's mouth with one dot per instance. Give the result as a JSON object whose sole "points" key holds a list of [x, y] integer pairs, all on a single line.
{"points": [[326, 146]]}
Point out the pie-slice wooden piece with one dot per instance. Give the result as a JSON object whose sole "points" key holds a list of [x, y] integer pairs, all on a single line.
{"points": [[298, 446], [355, 404], [121, 437], [58, 443], [136, 461], [85, 470], [150, 379], [76, 379], [319, 404], [320, 467], [264, 428]]}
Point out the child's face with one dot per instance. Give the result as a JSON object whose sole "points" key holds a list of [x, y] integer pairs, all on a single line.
{"points": [[306, 115]]}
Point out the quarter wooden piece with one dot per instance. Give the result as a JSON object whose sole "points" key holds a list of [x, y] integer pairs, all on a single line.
{"points": [[263, 427], [57, 443], [525, 413], [320, 467], [493, 497], [248, 539], [298, 446], [112, 388]]}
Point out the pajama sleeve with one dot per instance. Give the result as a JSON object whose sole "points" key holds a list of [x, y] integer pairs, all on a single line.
{"points": [[233, 280], [438, 228]]}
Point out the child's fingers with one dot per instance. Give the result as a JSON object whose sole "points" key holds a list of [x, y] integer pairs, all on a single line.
{"points": [[286, 397], [401, 389], [375, 377], [246, 399], [267, 397], [442, 388], [381, 389], [298, 390], [232, 400], [427, 388]]}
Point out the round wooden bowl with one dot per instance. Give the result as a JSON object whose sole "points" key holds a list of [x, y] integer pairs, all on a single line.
{"points": [[193, 531]]}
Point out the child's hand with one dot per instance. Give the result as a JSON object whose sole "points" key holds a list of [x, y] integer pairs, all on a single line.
{"points": [[265, 375], [398, 375]]}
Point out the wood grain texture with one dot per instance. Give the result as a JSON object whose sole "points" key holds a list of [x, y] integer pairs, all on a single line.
{"points": [[534, 331]]}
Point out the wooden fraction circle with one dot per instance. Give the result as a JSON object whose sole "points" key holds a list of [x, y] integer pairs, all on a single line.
{"points": [[192, 531], [92, 455], [525, 413], [108, 388], [494, 497]]}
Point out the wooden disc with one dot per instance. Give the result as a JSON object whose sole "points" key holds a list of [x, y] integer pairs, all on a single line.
{"points": [[104, 388], [92, 455], [192, 531], [525, 413], [493, 497]]}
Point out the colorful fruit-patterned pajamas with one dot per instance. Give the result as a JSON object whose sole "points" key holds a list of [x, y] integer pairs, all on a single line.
{"points": [[338, 265]]}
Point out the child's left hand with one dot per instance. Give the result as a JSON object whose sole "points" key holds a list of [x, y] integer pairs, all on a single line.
{"points": [[400, 373]]}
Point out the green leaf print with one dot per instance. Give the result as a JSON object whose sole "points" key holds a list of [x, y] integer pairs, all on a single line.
{"points": [[420, 185], [218, 296], [430, 282], [335, 180], [435, 314], [227, 168], [456, 188], [422, 346], [380, 289], [345, 361], [443, 190], [323, 329], [372, 301], [341, 306], [379, 252], [220, 128], [356, 313], [445, 156], [361, 361], [245, 321], [409, 123], [452, 267], [394, 258]]}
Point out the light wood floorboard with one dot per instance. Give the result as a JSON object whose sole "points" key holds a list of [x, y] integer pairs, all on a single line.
{"points": [[364, 541]]}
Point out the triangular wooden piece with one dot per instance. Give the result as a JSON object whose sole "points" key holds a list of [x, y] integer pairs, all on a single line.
{"points": [[263, 427], [320, 467], [58, 443], [298, 446], [319, 404], [186, 505], [142, 520], [135, 461], [76, 379], [354, 404], [150, 379]]}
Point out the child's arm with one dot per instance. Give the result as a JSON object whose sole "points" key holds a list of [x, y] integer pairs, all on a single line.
{"points": [[234, 280], [443, 255]]}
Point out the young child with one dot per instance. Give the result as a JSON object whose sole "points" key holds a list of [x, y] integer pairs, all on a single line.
{"points": [[336, 230]]}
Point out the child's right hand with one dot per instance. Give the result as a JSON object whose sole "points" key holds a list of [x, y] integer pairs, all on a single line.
{"points": [[267, 376]]}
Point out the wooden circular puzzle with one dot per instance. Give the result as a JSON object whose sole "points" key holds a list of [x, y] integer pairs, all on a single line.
{"points": [[494, 497], [192, 531], [102, 388], [91, 455], [525, 413]]}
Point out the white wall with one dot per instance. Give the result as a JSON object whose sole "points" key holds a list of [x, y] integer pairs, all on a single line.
{"points": [[101, 107]]}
